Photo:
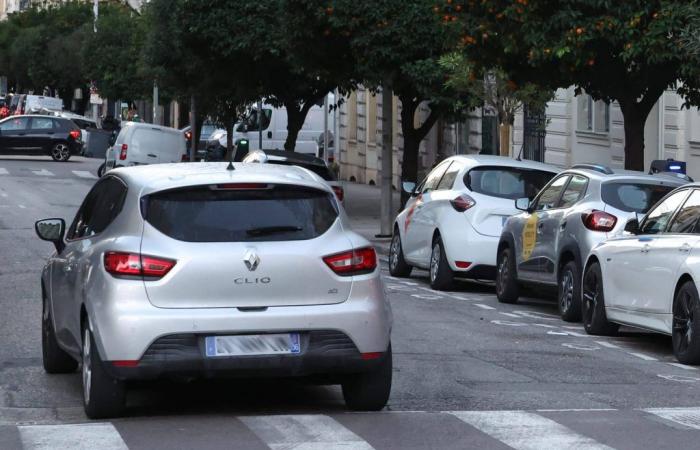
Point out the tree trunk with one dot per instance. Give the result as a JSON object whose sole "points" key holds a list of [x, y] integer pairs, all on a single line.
{"points": [[504, 139], [635, 117], [295, 120]]}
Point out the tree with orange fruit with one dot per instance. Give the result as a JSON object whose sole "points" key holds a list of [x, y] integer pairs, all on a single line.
{"points": [[627, 51]]}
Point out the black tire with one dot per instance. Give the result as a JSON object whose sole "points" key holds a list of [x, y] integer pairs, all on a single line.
{"points": [[103, 396], [686, 324], [507, 288], [595, 320], [101, 170], [60, 152], [441, 276], [55, 359], [398, 267], [569, 295], [369, 391]]}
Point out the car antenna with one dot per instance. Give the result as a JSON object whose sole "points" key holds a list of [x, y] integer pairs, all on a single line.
{"points": [[230, 160]]}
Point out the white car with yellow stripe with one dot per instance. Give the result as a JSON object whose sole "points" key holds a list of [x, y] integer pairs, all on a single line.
{"points": [[453, 221]]}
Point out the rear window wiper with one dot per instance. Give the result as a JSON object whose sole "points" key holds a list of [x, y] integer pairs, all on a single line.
{"points": [[261, 231]]}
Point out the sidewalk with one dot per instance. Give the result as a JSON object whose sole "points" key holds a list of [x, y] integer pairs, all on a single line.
{"points": [[362, 204]]}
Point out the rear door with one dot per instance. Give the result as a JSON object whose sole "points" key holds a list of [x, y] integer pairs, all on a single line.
{"points": [[244, 245], [41, 132], [146, 146]]}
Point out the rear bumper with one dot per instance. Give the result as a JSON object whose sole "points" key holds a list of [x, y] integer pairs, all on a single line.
{"points": [[470, 246], [323, 352]]}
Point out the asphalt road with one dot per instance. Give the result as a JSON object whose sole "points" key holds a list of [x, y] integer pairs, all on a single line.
{"points": [[468, 372]]}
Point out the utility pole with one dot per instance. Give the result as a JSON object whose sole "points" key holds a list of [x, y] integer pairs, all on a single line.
{"points": [[155, 103], [386, 207], [193, 128], [325, 128]]}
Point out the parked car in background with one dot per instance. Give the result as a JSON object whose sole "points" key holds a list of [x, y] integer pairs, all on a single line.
{"points": [[143, 143], [207, 129], [453, 221], [310, 162], [548, 243], [288, 290], [40, 135], [84, 123], [647, 278]]}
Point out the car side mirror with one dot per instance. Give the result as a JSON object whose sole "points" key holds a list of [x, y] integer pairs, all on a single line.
{"points": [[523, 204], [51, 230], [409, 187], [632, 226]]}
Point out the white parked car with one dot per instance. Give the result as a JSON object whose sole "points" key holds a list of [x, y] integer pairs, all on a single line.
{"points": [[647, 278], [144, 143], [453, 221]]}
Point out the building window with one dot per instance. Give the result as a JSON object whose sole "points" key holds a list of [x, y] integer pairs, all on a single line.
{"points": [[593, 115], [371, 118], [352, 117]]}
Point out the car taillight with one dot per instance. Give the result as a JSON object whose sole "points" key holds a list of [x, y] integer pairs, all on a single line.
{"points": [[240, 186], [599, 221], [75, 134], [185, 158], [122, 153], [134, 264], [462, 203], [339, 192], [188, 135], [352, 262]]}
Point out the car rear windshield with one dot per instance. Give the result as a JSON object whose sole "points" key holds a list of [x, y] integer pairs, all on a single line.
{"points": [[241, 213], [507, 182], [633, 197]]}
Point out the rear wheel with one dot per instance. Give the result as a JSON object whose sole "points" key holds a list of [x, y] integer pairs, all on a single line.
{"points": [[593, 304], [441, 276], [507, 289], [686, 324], [103, 396], [569, 298], [398, 267], [369, 391], [60, 152], [55, 359]]}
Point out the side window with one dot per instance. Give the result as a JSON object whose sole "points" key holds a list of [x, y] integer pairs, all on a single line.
{"points": [[448, 180], [100, 208], [657, 219], [686, 221], [574, 191], [42, 123], [550, 195], [17, 123], [433, 178]]}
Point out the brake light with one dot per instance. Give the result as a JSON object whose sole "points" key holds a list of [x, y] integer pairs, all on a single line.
{"points": [[241, 186], [188, 135], [126, 363], [462, 203], [75, 134], [352, 262], [134, 264], [599, 221], [339, 192], [122, 153]]}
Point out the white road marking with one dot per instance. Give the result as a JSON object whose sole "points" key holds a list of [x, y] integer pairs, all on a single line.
{"points": [[679, 378], [571, 327], [642, 356], [567, 333], [427, 296], [688, 417], [509, 323], [607, 344], [543, 325], [84, 436], [683, 366], [43, 173], [510, 315], [4, 171], [576, 410], [22, 207], [482, 306], [304, 432], [581, 346], [84, 174], [527, 431], [537, 315]]}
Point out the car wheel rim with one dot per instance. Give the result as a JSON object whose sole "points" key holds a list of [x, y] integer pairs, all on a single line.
{"points": [[566, 290], [60, 152], [394, 252], [434, 262], [87, 366], [590, 297], [502, 274], [683, 321]]}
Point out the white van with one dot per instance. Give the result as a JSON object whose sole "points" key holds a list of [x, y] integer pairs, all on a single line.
{"points": [[274, 124], [144, 143], [38, 103]]}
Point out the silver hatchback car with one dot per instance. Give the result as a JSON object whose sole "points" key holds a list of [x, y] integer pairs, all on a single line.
{"points": [[581, 207], [198, 271]]}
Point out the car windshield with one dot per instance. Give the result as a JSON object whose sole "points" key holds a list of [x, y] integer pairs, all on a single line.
{"points": [[230, 214], [507, 182], [633, 197]]}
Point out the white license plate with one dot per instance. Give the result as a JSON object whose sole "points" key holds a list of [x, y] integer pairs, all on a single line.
{"points": [[253, 344]]}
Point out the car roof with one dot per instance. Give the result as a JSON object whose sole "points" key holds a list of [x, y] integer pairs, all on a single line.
{"points": [[293, 157], [158, 177], [48, 116], [493, 160], [603, 174], [136, 125]]}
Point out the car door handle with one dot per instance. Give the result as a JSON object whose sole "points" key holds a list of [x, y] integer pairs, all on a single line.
{"points": [[684, 248], [152, 155], [646, 248]]}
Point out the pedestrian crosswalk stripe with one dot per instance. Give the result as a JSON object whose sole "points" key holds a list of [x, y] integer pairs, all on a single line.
{"points": [[304, 432], [688, 417], [527, 431], [43, 173], [102, 436], [84, 174], [3, 171]]}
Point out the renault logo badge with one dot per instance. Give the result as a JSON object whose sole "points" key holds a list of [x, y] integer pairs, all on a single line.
{"points": [[251, 260]]}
